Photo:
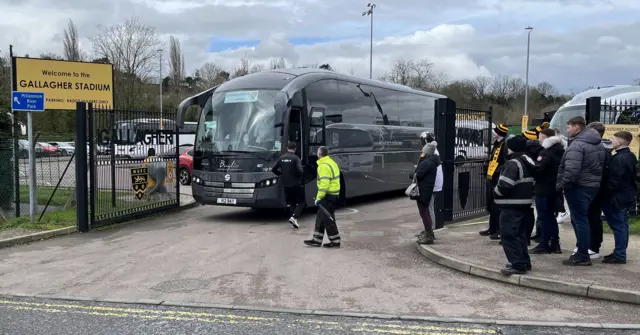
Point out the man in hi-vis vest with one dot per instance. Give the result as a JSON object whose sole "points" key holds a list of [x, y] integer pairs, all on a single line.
{"points": [[326, 200], [497, 159]]}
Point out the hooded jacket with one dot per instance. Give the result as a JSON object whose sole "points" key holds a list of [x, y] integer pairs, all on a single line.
{"points": [[426, 172], [583, 161], [515, 185], [620, 185], [547, 164]]}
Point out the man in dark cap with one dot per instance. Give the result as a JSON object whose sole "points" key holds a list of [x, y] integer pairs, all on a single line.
{"points": [[513, 195]]}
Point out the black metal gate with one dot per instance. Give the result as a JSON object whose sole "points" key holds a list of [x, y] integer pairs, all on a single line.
{"points": [[464, 141], [131, 166]]}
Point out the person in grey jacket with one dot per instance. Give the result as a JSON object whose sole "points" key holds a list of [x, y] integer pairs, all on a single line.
{"points": [[579, 176]]}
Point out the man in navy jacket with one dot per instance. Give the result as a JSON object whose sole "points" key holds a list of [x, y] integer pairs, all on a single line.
{"points": [[620, 192]]}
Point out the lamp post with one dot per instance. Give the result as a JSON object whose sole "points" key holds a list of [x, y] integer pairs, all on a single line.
{"points": [[161, 120], [526, 81], [369, 12]]}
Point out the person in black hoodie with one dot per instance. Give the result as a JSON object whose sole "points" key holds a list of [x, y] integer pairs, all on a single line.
{"points": [[426, 173], [289, 168], [546, 173], [514, 195], [620, 191]]}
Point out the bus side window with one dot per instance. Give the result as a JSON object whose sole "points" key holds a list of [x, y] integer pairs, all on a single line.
{"points": [[317, 127]]}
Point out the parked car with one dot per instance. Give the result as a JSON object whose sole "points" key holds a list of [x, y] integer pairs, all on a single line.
{"points": [[171, 153], [50, 150], [185, 162], [66, 148], [23, 149]]}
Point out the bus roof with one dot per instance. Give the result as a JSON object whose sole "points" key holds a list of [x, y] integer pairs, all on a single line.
{"points": [[294, 79], [616, 93]]}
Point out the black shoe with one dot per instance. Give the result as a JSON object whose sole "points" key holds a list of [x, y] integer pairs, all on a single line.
{"points": [[555, 247], [312, 243], [331, 245], [508, 265], [500, 243], [613, 260], [609, 256], [420, 235], [540, 249], [576, 261], [494, 237], [511, 271], [536, 237], [485, 232]]}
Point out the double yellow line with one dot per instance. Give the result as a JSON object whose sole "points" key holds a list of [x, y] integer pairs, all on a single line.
{"points": [[389, 327]]}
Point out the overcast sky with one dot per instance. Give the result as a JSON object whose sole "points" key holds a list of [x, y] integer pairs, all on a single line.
{"points": [[575, 43]]}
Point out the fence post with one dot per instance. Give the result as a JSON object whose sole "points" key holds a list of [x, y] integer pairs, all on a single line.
{"points": [[82, 206], [445, 135], [592, 112]]}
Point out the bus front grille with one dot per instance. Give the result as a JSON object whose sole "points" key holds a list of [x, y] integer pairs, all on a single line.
{"points": [[237, 193]]}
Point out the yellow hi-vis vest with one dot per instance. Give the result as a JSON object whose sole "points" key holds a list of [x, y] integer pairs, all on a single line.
{"points": [[328, 178]]}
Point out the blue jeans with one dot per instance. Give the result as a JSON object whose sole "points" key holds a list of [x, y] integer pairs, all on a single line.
{"points": [[618, 220], [579, 198], [545, 205]]}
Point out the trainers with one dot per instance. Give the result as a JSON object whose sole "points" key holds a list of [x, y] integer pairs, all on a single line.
{"points": [[541, 249], [563, 217], [592, 254], [312, 243], [294, 222], [331, 245], [494, 237], [575, 261], [484, 232], [511, 271]]}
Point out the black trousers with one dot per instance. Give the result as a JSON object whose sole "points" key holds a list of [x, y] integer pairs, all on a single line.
{"points": [[295, 199], [326, 220], [530, 222], [595, 223], [494, 211], [514, 230]]}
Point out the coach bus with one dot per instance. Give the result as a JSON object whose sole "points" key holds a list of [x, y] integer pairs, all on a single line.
{"points": [[372, 130]]}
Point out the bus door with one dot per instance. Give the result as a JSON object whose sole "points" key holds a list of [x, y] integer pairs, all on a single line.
{"points": [[296, 131]]}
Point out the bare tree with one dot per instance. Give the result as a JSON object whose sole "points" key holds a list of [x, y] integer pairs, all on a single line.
{"points": [[176, 61], [257, 68], [480, 86], [71, 46], [547, 89], [277, 64], [132, 47], [400, 73], [417, 74], [210, 75], [50, 56], [243, 69]]}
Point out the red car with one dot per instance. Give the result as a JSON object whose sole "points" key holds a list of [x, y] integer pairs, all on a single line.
{"points": [[185, 162], [50, 150]]}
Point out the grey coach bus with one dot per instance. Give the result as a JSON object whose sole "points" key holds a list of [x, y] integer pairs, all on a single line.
{"points": [[372, 130]]}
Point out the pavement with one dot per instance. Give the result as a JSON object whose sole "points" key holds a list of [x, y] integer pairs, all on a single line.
{"points": [[235, 256], [54, 317], [462, 242]]}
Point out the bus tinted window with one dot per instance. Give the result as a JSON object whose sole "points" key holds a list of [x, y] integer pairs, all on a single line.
{"points": [[356, 106], [385, 104], [325, 94]]}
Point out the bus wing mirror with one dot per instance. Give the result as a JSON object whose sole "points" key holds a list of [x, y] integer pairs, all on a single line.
{"points": [[334, 118], [280, 105], [199, 99]]}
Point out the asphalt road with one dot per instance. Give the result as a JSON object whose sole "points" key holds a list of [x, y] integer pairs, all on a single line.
{"points": [[55, 317]]}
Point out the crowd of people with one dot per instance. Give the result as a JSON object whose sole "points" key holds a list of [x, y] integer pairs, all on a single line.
{"points": [[540, 167]]}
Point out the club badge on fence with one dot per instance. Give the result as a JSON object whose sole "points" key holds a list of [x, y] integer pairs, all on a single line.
{"points": [[139, 181]]}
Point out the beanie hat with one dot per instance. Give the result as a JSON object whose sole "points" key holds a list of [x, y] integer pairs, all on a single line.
{"points": [[517, 143], [501, 130], [530, 134], [543, 125]]}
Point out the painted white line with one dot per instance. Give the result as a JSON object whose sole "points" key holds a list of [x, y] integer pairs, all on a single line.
{"points": [[347, 211]]}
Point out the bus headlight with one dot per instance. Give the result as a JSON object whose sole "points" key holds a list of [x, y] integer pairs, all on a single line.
{"points": [[267, 182], [197, 180]]}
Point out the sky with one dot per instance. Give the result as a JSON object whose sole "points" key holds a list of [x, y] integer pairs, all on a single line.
{"points": [[574, 44]]}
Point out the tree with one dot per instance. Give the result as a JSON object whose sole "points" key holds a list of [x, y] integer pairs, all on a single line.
{"points": [[243, 69], [71, 47], [133, 48], [50, 56], [325, 67], [418, 74], [277, 64], [636, 82], [176, 58], [211, 75]]}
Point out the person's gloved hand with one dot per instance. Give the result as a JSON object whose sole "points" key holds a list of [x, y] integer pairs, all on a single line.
{"points": [[317, 202]]}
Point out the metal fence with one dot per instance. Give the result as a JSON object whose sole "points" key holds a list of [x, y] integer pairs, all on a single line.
{"points": [[464, 141], [53, 176], [132, 166]]}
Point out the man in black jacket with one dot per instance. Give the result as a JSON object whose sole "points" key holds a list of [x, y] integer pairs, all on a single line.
{"points": [[620, 191], [513, 194], [546, 173], [497, 159], [289, 168]]}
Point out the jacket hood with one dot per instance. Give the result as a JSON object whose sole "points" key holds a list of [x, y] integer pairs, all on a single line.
{"points": [[590, 136], [430, 148], [525, 157], [553, 140], [434, 158], [607, 144]]}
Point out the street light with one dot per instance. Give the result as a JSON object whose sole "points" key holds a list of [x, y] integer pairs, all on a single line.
{"points": [[369, 12], [160, 52], [526, 81]]}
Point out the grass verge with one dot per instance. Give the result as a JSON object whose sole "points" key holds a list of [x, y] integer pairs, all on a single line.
{"points": [[634, 226]]}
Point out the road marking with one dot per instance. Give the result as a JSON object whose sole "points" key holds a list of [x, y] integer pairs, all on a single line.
{"points": [[346, 211], [176, 315]]}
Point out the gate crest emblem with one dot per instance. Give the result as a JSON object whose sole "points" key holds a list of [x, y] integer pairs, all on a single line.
{"points": [[139, 181]]}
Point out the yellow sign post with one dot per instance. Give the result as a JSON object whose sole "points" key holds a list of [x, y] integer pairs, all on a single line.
{"points": [[525, 123], [610, 129], [64, 82]]}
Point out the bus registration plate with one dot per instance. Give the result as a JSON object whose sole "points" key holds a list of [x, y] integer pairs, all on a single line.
{"points": [[226, 201]]}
